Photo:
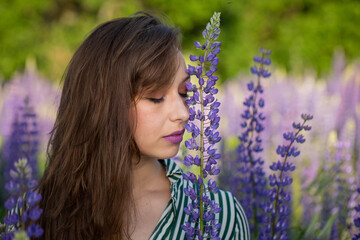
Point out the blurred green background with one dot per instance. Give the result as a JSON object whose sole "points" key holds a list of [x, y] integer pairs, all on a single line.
{"points": [[303, 34]]}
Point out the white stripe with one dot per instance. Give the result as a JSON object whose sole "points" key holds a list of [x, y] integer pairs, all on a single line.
{"points": [[241, 218], [237, 233], [233, 215]]}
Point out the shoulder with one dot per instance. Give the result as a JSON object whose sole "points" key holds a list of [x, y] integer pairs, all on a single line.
{"points": [[234, 224]]}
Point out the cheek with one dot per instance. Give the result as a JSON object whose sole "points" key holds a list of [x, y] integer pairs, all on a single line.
{"points": [[145, 118], [147, 125]]}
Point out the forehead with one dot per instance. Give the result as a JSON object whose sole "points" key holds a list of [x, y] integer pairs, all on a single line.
{"points": [[181, 70], [181, 75]]}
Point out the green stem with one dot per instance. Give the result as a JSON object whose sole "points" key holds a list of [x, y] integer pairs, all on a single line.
{"points": [[201, 164], [202, 146]]}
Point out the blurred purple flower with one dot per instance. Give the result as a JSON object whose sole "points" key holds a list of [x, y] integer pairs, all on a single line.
{"points": [[357, 219], [42, 95], [289, 95], [349, 100], [23, 141]]}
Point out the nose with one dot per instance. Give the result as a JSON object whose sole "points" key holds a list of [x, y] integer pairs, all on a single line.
{"points": [[179, 110]]}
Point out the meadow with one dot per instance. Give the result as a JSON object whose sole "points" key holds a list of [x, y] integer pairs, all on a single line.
{"points": [[323, 190]]}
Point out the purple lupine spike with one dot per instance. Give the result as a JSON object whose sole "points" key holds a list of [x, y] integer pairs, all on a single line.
{"points": [[23, 141], [193, 58], [343, 186], [277, 207], [203, 112], [357, 219], [22, 203], [189, 176], [251, 176], [197, 44], [11, 219], [34, 230], [337, 194], [8, 236]]}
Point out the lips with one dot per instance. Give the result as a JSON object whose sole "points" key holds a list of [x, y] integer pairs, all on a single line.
{"points": [[175, 137], [181, 132]]}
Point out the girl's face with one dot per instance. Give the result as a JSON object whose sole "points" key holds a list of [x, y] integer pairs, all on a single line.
{"points": [[161, 117]]}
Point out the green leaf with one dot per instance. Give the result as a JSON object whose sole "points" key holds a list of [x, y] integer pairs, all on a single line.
{"points": [[326, 231], [311, 230]]}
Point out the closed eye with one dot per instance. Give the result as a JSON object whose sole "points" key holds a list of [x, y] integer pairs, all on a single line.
{"points": [[156, 100]]}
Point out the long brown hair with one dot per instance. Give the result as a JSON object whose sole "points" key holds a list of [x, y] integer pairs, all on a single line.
{"points": [[86, 187]]}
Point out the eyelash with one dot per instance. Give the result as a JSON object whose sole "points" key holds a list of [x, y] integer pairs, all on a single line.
{"points": [[184, 95], [156, 100], [159, 100]]}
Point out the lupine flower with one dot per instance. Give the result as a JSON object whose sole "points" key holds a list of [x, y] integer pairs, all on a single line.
{"points": [[349, 100], [277, 206], [341, 173], [22, 209], [23, 141], [332, 199], [43, 96], [252, 181], [203, 124], [285, 93], [357, 219]]}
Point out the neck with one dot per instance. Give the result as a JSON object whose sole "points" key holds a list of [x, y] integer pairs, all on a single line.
{"points": [[146, 175]]}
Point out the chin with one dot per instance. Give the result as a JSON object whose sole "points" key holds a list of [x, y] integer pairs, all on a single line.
{"points": [[169, 152]]}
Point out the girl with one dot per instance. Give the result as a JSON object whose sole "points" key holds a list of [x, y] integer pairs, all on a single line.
{"points": [[121, 117]]}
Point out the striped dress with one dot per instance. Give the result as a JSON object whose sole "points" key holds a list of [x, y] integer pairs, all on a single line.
{"points": [[233, 221]]}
